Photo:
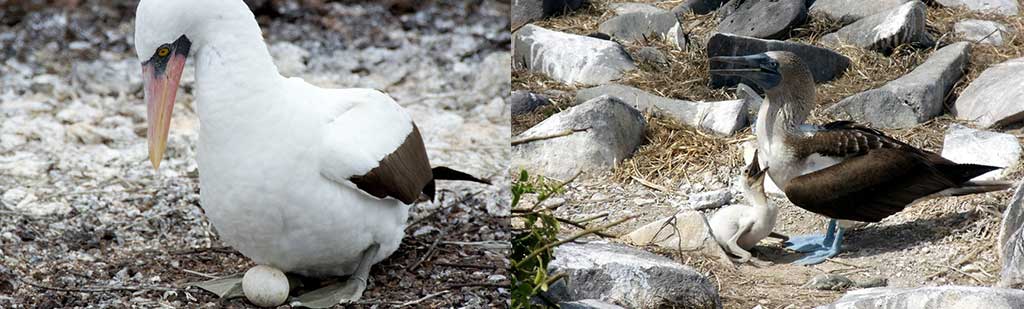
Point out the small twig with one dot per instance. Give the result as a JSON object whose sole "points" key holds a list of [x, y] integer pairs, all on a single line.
{"points": [[536, 252], [584, 227], [488, 244], [650, 184], [844, 263], [465, 265], [966, 274], [592, 218], [222, 249], [986, 36], [544, 137], [197, 273], [480, 284], [430, 252], [963, 260], [424, 298], [94, 289]]}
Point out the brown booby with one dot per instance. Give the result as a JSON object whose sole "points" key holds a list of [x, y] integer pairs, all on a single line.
{"points": [[308, 180], [841, 170]]}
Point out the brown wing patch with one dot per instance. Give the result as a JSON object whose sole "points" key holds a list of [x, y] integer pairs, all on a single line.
{"points": [[844, 138], [402, 174]]}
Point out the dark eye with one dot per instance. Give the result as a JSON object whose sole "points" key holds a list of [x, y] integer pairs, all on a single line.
{"points": [[163, 52]]}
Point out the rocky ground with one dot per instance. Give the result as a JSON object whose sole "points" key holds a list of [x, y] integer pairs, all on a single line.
{"points": [[948, 241], [86, 221]]}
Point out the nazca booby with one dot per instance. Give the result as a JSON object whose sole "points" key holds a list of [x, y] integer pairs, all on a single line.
{"points": [[738, 228], [311, 181], [841, 170]]}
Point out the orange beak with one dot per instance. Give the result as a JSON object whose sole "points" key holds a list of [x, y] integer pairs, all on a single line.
{"points": [[161, 86]]}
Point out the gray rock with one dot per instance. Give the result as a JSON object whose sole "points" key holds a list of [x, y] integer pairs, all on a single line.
{"points": [[612, 132], [824, 63], [630, 277], [992, 100], [524, 102], [722, 118], [884, 31], [699, 7], [588, 304], [966, 145], [981, 31], [829, 282], [569, 58], [710, 199], [948, 296], [643, 27], [687, 231], [525, 11], [754, 101], [494, 77], [849, 11], [109, 77], [653, 57], [632, 7], [911, 99], [764, 18], [1002, 7], [1011, 242]]}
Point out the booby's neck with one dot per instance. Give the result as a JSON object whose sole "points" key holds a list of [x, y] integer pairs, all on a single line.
{"points": [[779, 121], [235, 74]]}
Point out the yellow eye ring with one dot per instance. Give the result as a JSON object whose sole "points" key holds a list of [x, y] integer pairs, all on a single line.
{"points": [[163, 52]]}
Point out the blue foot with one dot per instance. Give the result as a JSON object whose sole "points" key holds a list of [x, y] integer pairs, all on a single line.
{"points": [[813, 243], [819, 256]]}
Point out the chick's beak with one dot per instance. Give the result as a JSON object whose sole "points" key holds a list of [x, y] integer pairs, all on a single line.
{"points": [[161, 86]]}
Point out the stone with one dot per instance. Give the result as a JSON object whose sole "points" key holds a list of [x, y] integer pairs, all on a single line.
{"points": [[992, 100], [829, 282], [494, 76], [947, 296], [699, 7], [643, 27], [109, 77], [1001, 7], [884, 31], [687, 230], [710, 199], [289, 58], [754, 101], [1011, 242], [588, 304], [849, 11], [764, 18], [722, 118], [604, 131], [629, 277], [525, 102], [911, 99], [966, 145], [981, 31], [569, 58], [653, 57], [525, 11], [825, 64], [632, 7]]}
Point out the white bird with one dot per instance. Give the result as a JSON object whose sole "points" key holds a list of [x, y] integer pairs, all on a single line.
{"points": [[738, 228], [309, 180]]}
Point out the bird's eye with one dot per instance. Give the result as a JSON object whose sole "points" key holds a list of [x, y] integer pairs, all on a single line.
{"points": [[163, 52]]}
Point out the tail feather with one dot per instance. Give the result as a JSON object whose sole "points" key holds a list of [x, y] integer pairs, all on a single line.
{"points": [[444, 173], [962, 173]]}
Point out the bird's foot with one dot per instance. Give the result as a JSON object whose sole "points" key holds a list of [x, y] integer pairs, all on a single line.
{"points": [[817, 257], [342, 292], [806, 243]]}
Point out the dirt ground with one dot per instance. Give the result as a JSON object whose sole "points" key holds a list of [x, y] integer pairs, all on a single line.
{"points": [[85, 221], [936, 242]]}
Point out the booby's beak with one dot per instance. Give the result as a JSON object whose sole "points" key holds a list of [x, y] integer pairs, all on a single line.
{"points": [[758, 68], [161, 75]]}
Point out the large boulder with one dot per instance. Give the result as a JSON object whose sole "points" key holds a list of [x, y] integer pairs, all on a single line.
{"points": [[688, 230], [722, 118], [628, 277], [824, 63], [523, 102], [911, 99], [966, 145], [699, 7], [600, 133], [849, 11], [569, 58], [1002, 7], [1011, 242], [642, 27], [949, 296], [633, 7], [884, 31], [525, 11], [993, 100], [981, 31], [763, 18]]}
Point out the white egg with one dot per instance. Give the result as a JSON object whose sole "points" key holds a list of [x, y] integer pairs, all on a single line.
{"points": [[265, 286]]}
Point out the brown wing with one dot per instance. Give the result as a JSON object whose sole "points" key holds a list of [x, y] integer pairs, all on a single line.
{"points": [[844, 138], [403, 174]]}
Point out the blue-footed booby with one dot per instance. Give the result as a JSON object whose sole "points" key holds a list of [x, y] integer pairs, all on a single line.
{"points": [[738, 228], [308, 180], [841, 170]]}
